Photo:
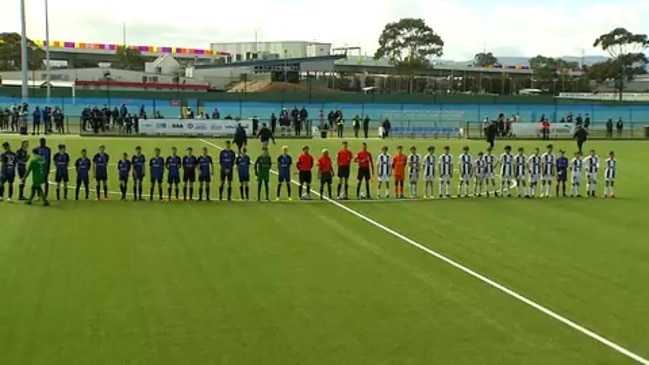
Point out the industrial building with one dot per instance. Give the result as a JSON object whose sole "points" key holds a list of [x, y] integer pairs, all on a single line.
{"points": [[246, 51]]}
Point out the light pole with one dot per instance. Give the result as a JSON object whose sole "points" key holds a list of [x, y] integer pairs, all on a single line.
{"points": [[285, 67], [107, 77], [47, 51], [24, 90]]}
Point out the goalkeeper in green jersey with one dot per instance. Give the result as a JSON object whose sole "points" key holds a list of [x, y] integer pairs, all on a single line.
{"points": [[37, 168], [262, 171]]}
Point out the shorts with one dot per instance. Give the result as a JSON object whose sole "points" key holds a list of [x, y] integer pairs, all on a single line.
{"points": [[562, 177], [61, 177], [100, 176], [429, 178], [592, 177], [225, 175], [489, 175], [83, 179], [383, 178], [465, 177], [576, 178], [413, 177], [22, 171], [506, 177], [326, 177], [479, 176], [364, 173], [305, 177], [284, 176], [548, 177], [123, 178], [7, 179], [173, 179], [208, 178], [138, 177], [244, 177], [535, 178], [446, 178], [156, 180], [609, 176], [189, 176], [343, 172], [520, 177], [399, 177]]}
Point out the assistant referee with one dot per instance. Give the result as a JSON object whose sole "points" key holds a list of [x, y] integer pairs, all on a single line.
{"points": [[344, 160]]}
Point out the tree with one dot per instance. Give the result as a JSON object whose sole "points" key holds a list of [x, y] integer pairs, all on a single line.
{"points": [[129, 59], [10, 53], [409, 43], [627, 57], [548, 72], [484, 59]]}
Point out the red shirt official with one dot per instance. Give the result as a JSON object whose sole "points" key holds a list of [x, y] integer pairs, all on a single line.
{"points": [[324, 164], [364, 159], [344, 157], [305, 162]]}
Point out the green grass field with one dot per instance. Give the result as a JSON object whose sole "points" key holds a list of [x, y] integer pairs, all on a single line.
{"points": [[319, 283]]}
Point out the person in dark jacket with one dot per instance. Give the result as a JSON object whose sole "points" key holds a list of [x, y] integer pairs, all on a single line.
{"points": [[255, 125], [581, 135], [356, 125], [387, 126], [273, 123], [492, 131], [265, 136], [609, 128], [240, 138], [366, 126]]}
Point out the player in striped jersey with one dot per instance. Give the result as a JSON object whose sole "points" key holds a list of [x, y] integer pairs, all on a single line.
{"points": [[520, 167], [384, 170], [429, 165], [445, 172], [591, 164], [576, 170], [506, 171], [479, 174], [490, 167], [414, 164], [609, 175], [534, 164], [466, 166], [547, 173]]}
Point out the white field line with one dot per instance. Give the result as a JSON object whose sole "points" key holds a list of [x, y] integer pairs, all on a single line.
{"points": [[612, 345]]}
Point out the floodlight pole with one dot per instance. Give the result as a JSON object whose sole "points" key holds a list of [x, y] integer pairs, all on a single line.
{"points": [[47, 51], [24, 90]]}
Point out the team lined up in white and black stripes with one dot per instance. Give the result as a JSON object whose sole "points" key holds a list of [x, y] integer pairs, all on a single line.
{"points": [[528, 175]]}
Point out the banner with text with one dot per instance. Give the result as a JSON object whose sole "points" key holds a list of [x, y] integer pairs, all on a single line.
{"points": [[534, 129], [192, 127]]}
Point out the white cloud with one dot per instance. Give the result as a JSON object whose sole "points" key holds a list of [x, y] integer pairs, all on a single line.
{"points": [[506, 28]]}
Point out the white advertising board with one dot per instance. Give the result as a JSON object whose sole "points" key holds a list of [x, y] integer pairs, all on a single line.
{"points": [[192, 127]]}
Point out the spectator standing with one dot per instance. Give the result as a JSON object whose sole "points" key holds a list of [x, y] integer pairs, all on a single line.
{"points": [[36, 126], [366, 126], [619, 126], [609, 128], [581, 135]]}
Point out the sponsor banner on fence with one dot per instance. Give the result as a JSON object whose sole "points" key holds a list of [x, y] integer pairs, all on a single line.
{"points": [[534, 129], [192, 127]]}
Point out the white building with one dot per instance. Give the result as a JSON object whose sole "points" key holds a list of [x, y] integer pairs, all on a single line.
{"points": [[244, 51], [163, 65]]}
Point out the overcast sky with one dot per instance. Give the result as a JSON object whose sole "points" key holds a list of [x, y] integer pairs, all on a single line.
{"points": [[506, 27]]}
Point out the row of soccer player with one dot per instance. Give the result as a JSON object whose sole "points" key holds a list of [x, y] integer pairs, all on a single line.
{"points": [[480, 170]]}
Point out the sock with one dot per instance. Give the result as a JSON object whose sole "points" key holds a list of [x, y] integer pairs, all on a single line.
{"points": [[21, 191], [259, 190], [76, 191], [266, 188], [459, 190], [151, 192], [367, 188], [247, 188], [160, 191], [191, 192], [184, 192], [85, 185], [98, 190], [441, 188], [241, 192], [2, 191], [346, 189], [169, 190], [358, 189], [229, 192], [221, 192], [557, 190], [329, 190], [611, 189], [105, 190], [321, 191], [279, 190], [65, 191], [288, 190], [563, 188], [200, 192], [207, 193], [308, 189], [299, 191], [135, 191], [47, 189]]}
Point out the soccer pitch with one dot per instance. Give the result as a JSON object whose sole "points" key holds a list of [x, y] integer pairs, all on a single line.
{"points": [[454, 281]]}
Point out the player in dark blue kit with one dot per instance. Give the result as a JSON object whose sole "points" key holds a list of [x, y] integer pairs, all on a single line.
{"points": [[46, 153], [284, 162], [138, 161], [100, 171], [227, 158], [189, 173], [205, 172], [157, 167], [22, 157], [124, 169], [7, 171], [61, 164], [82, 165], [562, 172], [173, 167], [243, 169]]}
